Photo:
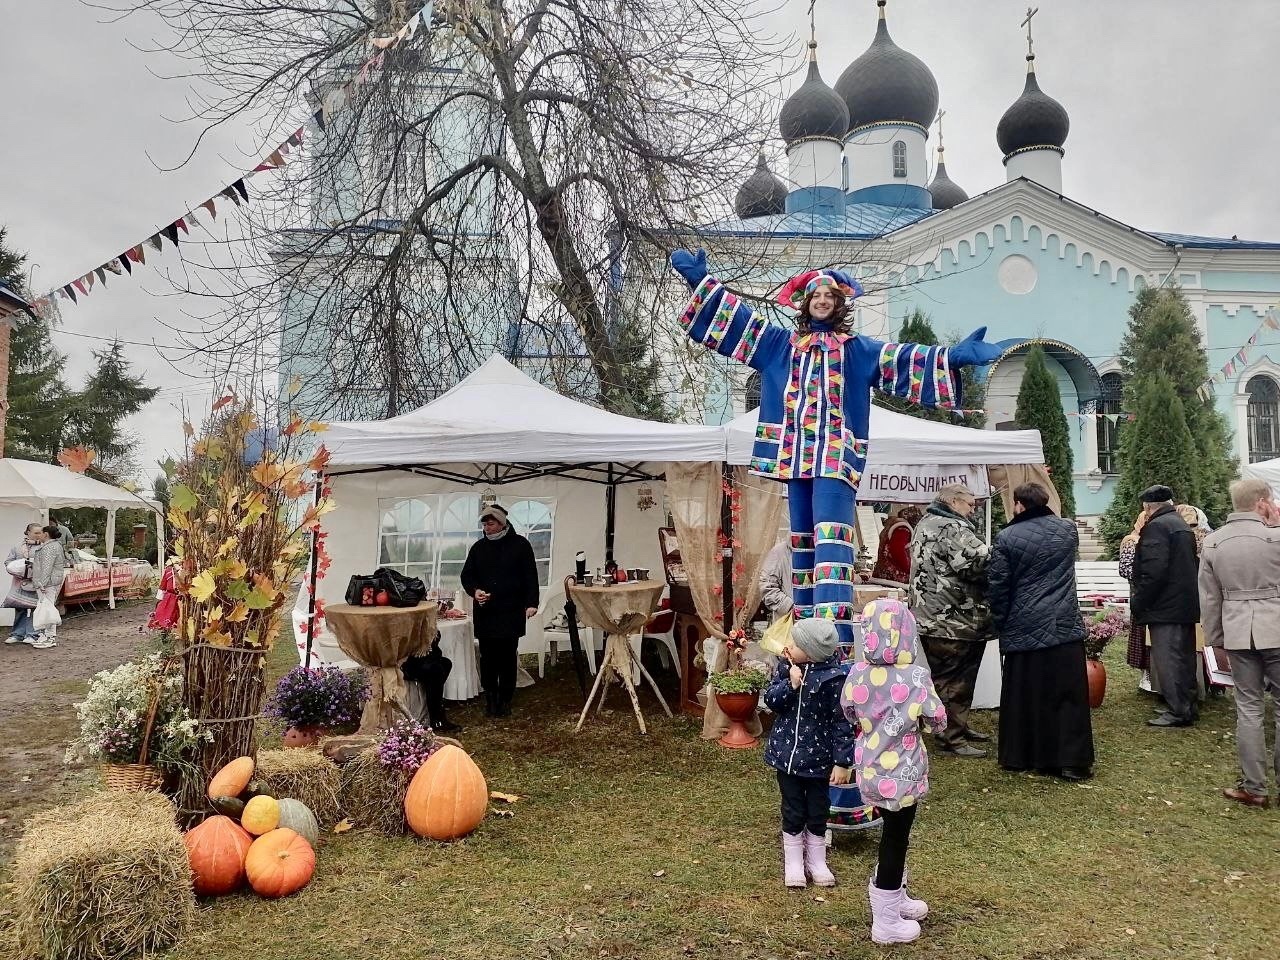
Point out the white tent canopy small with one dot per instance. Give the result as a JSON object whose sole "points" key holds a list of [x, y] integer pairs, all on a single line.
{"points": [[499, 415], [33, 487], [1268, 470], [907, 458]]}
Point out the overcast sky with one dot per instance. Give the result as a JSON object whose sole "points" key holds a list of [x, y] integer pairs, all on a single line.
{"points": [[1172, 105]]}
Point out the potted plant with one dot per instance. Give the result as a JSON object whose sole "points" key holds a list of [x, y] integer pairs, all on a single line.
{"points": [[737, 690], [134, 724], [1100, 629], [314, 702]]}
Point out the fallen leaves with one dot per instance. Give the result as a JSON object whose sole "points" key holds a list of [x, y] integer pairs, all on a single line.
{"points": [[343, 825], [504, 797]]}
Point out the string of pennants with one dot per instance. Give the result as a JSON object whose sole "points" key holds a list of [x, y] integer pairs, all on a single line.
{"points": [[237, 192], [1270, 321]]}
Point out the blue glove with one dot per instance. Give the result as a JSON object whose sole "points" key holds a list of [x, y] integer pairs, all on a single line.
{"points": [[691, 266], [974, 351]]}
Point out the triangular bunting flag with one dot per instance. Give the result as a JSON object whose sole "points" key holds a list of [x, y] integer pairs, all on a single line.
{"points": [[114, 266], [124, 261], [171, 231], [79, 285], [211, 207], [381, 43], [69, 294], [102, 275], [139, 254], [318, 119], [156, 241], [425, 15], [181, 224], [241, 189], [231, 195], [1254, 338]]}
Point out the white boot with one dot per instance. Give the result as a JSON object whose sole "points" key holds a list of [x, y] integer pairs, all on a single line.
{"points": [[888, 925], [815, 860], [912, 909], [793, 860]]}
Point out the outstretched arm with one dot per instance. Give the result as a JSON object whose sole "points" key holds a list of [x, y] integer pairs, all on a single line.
{"points": [[926, 374], [719, 320]]}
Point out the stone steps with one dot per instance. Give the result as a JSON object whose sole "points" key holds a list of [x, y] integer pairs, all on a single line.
{"points": [[1091, 545]]}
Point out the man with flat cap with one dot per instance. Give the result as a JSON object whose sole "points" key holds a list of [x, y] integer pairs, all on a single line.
{"points": [[501, 577], [1165, 599]]}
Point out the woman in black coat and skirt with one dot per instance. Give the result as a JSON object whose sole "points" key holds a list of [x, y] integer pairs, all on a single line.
{"points": [[500, 575], [1044, 694]]}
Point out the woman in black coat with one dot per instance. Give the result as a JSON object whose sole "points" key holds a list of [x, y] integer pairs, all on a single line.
{"points": [[1044, 692], [501, 577]]}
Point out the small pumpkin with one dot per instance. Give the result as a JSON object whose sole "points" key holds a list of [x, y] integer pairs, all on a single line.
{"points": [[448, 796], [216, 850], [231, 807], [261, 815], [232, 778], [297, 816], [279, 863]]}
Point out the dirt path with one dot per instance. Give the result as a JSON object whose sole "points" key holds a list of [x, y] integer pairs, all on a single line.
{"points": [[38, 693]]}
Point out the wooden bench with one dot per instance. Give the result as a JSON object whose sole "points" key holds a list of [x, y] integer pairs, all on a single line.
{"points": [[1100, 578]]}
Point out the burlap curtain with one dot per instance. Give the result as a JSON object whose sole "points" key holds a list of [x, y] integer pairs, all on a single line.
{"points": [[694, 494], [1006, 478]]}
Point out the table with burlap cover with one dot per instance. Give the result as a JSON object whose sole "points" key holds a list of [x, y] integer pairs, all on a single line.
{"points": [[619, 610], [381, 639]]}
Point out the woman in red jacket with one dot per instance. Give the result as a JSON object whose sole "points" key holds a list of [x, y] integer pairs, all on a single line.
{"points": [[893, 561]]}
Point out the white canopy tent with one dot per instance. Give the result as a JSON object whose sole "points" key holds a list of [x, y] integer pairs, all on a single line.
{"points": [[909, 459], [1268, 470], [29, 490]]}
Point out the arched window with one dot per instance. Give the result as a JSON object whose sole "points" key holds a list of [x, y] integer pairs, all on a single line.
{"points": [[899, 159], [1264, 419], [1109, 431], [753, 390]]}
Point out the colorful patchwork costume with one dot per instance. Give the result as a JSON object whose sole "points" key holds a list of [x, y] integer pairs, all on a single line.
{"points": [[815, 402]]}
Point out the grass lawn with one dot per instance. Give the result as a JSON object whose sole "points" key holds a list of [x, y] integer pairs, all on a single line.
{"points": [[666, 847]]}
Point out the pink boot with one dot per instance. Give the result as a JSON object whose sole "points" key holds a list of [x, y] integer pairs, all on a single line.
{"points": [[911, 909], [793, 860], [888, 925], [815, 860]]}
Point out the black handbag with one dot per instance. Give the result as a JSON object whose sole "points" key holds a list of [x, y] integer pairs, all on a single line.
{"points": [[362, 590], [403, 591]]}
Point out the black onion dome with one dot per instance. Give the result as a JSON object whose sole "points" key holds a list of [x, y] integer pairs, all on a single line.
{"points": [[888, 84], [815, 110], [761, 195], [1034, 120], [946, 192]]}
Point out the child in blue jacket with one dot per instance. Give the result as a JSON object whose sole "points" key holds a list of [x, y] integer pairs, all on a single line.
{"points": [[810, 746]]}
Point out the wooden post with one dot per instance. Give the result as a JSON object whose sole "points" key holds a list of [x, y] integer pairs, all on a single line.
{"points": [[6, 328], [726, 556]]}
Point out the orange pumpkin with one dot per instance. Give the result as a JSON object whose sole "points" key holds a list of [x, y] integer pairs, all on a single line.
{"points": [[216, 850], [448, 797], [261, 815], [279, 863], [232, 778]]}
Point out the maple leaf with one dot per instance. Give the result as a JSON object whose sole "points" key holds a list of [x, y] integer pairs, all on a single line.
{"points": [[292, 427], [239, 613], [320, 460], [77, 459], [317, 426], [504, 797], [203, 585], [269, 473], [218, 405], [219, 639], [342, 826], [226, 546], [182, 498], [236, 589], [178, 520], [259, 599], [255, 505]]}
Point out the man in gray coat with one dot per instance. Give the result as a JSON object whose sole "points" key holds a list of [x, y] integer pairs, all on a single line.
{"points": [[1240, 611]]}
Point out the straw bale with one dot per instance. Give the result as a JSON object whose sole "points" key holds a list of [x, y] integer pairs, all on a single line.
{"points": [[102, 878], [305, 775], [373, 796]]}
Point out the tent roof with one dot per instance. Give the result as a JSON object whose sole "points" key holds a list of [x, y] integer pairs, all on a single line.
{"points": [[45, 486], [497, 414], [1268, 470], [905, 441]]}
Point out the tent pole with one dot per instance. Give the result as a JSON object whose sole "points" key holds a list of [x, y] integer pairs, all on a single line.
{"points": [[111, 549], [726, 555], [311, 592], [610, 515], [989, 498]]}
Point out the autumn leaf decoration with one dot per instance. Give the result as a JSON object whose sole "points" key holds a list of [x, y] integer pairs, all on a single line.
{"points": [[77, 459], [243, 506]]}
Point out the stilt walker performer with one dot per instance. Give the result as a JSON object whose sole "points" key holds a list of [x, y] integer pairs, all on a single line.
{"points": [[815, 403]]}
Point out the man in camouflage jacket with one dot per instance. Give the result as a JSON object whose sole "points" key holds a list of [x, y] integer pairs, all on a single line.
{"points": [[948, 595]]}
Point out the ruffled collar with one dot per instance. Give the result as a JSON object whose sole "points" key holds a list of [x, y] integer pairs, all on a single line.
{"points": [[820, 339]]}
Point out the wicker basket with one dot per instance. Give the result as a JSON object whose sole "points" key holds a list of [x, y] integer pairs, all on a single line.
{"points": [[138, 777]]}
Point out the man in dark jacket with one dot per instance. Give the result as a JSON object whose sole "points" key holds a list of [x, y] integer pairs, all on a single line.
{"points": [[500, 575], [1166, 601], [1044, 693]]}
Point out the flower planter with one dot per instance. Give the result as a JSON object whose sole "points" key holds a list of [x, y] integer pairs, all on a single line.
{"points": [[1097, 675], [739, 708], [133, 777], [304, 736]]}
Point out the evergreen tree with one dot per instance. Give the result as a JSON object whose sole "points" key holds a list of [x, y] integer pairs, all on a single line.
{"points": [[11, 263], [1163, 338], [111, 394], [1040, 408], [1161, 444], [38, 401]]}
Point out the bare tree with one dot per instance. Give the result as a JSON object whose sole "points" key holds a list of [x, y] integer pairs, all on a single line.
{"points": [[478, 188]]}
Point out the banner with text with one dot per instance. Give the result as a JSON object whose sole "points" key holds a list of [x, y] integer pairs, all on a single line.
{"points": [[919, 483]]}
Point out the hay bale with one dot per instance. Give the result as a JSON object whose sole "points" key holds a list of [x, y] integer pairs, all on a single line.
{"points": [[305, 775], [373, 796], [102, 878]]}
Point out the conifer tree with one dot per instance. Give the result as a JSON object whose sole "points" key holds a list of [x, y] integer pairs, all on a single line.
{"points": [[1040, 408], [1163, 338]]}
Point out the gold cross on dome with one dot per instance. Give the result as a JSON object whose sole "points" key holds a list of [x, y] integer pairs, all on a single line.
{"points": [[938, 121], [1027, 23]]}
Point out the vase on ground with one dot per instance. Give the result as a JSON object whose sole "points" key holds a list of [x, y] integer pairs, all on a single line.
{"points": [[305, 735], [1097, 675], [738, 708]]}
